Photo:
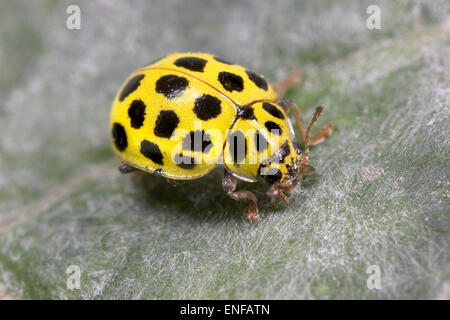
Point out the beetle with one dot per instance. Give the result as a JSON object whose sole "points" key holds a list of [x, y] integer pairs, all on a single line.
{"points": [[181, 115]]}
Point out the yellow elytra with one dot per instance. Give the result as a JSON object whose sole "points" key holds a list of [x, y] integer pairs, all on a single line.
{"points": [[185, 113]]}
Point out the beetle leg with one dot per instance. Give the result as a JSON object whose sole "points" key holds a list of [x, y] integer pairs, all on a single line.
{"points": [[126, 168], [294, 185], [138, 174], [229, 186], [319, 137], [277, 191], [294, 78]]}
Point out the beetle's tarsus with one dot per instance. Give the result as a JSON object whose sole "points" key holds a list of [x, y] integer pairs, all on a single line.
{"points": [[229, 186], [126, 168]]}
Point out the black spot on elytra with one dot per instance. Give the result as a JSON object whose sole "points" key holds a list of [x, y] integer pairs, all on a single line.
{"points": [[273, 128], [131, 86], [207, 107], [273, 110], [237, 146], [151, 151], [119, 136], [191, 63], [260, 142], [197, 141], [285, 151], [259, 81], [171, 86], [184, 162], [136, 112], [222, 60], [246, 112], [166, 123], [231, 82], [271, 175]]}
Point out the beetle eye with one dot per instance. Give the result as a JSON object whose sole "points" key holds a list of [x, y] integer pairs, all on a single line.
{"points": [[297, 148]]}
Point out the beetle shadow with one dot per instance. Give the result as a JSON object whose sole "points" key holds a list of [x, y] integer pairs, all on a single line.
{"points": [[203, 199]]}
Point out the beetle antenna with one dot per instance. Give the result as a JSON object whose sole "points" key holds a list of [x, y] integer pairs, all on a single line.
{"points": [[316, 115]]}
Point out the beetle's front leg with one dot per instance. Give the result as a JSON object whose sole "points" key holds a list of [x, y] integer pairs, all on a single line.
{"points": [[126, 168], [280, 189], [229, 186], [138, 176]]}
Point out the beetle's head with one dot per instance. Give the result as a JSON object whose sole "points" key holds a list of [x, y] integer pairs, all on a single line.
{"points": [[285, 168], [286, 165]]}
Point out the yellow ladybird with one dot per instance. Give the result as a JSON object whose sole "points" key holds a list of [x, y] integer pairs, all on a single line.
{"points": [[184, 114]]}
